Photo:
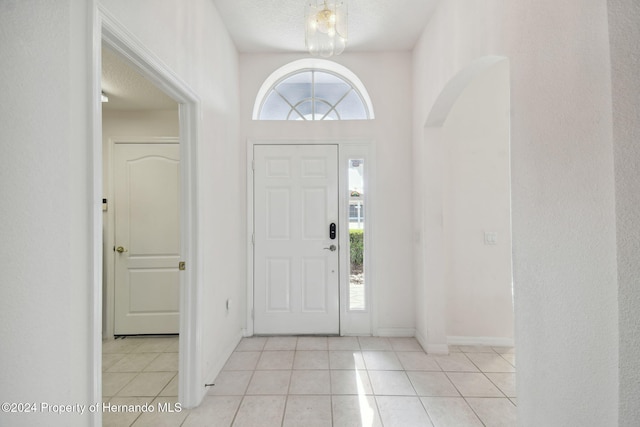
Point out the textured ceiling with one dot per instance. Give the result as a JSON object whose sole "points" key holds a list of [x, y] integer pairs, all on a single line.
{"points": [[278, 25], [127, 89]]}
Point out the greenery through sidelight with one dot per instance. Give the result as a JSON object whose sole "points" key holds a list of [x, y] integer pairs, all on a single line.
{"points": [[356, 245]]}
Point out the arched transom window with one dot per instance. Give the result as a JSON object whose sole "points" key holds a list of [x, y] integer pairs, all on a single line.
{"points": [[312, 93]]}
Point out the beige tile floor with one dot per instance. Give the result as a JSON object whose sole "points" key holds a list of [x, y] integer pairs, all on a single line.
{"points": [[318, 381]]}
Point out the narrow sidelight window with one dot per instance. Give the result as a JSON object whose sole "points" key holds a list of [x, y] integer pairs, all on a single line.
{"points": [[357, 238]]}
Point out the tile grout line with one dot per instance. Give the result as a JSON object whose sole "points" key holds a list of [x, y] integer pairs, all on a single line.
{"points": [[487, 377], [474, 411], [433, 424], [417, 394], [484, 374]]}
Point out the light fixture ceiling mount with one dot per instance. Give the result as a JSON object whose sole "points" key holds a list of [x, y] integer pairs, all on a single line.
{"points": [[326, 27]]}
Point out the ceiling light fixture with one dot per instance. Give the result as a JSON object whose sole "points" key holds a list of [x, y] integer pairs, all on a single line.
{"points": [[326, 27]]}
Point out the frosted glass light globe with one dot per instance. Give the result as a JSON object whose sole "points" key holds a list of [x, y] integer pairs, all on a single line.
{"points": [[326, 21]]}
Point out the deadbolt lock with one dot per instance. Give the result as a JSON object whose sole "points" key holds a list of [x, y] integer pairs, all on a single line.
{"points": [[120, 249]]}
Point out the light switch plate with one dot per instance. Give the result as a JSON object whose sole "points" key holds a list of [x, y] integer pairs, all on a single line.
{"points": [[490, 238]]}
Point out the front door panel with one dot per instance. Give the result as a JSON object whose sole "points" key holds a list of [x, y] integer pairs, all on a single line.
{"points": [[296, 282]]}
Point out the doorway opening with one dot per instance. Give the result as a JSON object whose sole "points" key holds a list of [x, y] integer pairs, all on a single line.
{"points": [[354, 313], [141, 206], [464, 265], [109, 33]]}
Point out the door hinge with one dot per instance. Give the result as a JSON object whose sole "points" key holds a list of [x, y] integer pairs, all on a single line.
{"points": [[252, 313], [182, 266], [253, 165], [253, 238]]}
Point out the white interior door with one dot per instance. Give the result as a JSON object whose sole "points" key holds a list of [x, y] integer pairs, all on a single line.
{"points": [[147, 238], [296, 278]]}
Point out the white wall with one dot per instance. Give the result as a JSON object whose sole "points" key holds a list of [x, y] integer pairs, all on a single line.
{"points": [[477, 200], [624, 32], [390, 90], [117, 125], [563, 209], [192, 40], [45, 180], [562, 191]]}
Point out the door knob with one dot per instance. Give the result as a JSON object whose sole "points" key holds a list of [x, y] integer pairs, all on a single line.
{"points": [[120, 249], [331, 248]]}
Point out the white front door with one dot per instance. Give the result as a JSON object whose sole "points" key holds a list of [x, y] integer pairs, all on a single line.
{"points": [[147, 238], [296, 278]]}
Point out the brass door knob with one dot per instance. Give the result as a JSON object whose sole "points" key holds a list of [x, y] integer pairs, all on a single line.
{"points": [[120, 249]]}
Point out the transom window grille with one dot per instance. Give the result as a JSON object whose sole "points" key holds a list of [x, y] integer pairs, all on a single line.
{"points": [[313, 95]]}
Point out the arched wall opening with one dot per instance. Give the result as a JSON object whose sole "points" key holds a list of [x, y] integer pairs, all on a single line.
{"points": [[465, 274]]}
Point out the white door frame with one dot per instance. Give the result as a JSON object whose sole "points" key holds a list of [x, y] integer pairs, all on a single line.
{"points": [[351, 323], [105, 28]]}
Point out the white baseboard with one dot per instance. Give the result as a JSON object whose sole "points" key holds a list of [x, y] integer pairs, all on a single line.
{"points": [[431, 348], [487, 341], [437, 349], [421, 340], [396, 332]]}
